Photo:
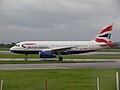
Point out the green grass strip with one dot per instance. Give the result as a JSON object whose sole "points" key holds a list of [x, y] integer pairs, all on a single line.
{"points": [[109, 50], [50, 61], [59, 79], [4, 49], [112, 56]]}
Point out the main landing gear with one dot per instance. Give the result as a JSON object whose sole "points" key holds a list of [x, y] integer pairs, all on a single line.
{"points": [[60, 58], [26, 57]]}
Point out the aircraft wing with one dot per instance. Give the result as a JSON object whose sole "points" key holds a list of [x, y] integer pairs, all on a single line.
{"points": [[58, 49], [62, 48]]}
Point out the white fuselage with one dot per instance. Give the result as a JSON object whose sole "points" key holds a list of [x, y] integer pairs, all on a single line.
{"points": [[40, 46]]}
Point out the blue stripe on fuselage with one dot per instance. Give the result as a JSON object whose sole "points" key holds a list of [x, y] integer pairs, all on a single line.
{"points": [[62, 53]]}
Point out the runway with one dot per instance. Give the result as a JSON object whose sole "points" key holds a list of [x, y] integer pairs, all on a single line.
{"points": [[55, 59], [59, 66], [113, 63]]}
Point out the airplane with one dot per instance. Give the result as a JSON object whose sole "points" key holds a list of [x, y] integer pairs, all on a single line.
{"points": [[50, 49]]}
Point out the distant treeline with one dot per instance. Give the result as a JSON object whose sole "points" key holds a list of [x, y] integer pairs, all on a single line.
{"points": [[7, 45]]}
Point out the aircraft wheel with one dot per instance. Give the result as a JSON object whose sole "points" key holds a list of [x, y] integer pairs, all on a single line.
{"points": [[25, 58], [60, 58]]}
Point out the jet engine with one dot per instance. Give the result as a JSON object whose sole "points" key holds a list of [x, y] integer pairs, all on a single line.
{"points": [[47, 54]]}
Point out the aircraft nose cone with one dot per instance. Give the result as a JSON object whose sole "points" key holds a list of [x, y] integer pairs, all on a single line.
{"points": [[11, 49]]}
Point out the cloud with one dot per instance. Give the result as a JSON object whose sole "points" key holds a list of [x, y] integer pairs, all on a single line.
{"points": [[57, 19]]}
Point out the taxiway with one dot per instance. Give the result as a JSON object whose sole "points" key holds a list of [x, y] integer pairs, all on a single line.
{"points": [[59, 66]]}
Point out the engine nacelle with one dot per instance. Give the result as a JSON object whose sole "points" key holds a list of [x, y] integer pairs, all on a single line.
{"points": [[47, 54]]}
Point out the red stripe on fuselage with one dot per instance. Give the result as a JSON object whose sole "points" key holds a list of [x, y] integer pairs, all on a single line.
{"points": [[29, 44], [109, 28]]}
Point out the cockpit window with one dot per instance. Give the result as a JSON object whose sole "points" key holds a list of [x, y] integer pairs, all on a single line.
{"points": [[17, 45]]}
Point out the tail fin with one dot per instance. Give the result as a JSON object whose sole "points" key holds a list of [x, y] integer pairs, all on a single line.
{"points": [[105, 35]]}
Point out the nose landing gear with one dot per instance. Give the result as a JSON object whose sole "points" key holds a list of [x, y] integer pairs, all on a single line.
{"points": [[26, 57]]}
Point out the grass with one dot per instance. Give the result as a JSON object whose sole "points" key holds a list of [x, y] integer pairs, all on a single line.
{"points": [[44, 62], [109, 50], [112, 56], [58, 79], [4, 49], [93, 57], [18, 56]]}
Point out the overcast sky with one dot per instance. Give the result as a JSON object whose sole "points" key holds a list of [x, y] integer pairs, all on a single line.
{"points": [[57, 19]]}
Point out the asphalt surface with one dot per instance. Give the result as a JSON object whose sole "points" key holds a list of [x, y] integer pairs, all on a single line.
{"points": [[54, 59], [6, 52], [114, 63], [59, 66]]}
